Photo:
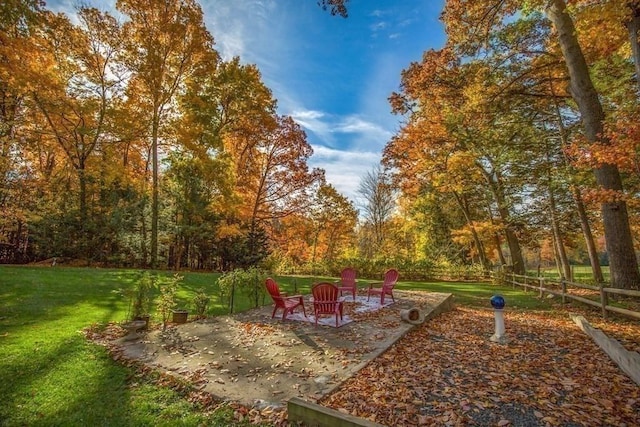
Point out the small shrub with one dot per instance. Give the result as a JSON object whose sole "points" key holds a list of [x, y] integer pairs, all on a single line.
{"points": [[167, 298], [249, 282], [140, 297], [201, 303]]}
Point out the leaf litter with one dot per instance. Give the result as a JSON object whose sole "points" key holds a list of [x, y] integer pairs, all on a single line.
{"points": [[448, 372]]}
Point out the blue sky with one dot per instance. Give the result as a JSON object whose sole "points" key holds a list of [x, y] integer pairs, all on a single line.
{"points": [[332, 75]]}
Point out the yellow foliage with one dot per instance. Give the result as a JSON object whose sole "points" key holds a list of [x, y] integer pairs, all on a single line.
{"points": [[228, 230]]}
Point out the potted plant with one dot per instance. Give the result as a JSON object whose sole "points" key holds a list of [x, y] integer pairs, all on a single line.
{"points": [[179, 315], [140, 299]]}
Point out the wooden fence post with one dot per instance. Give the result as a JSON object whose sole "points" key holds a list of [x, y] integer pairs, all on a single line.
{"points": [[604, 300], [233, 291], [541, 285]]}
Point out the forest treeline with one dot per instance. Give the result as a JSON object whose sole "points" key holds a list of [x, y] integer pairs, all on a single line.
{"points": [[130, 142]]}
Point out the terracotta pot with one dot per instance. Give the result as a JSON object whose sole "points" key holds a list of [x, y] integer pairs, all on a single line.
{"points": [[180, 316]]}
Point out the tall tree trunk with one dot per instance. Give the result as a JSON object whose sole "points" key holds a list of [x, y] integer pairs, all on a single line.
{"points": [[633, 25], [498, 243], [515, 250], [555, 226], [476, 239], [87, 250], [557, 233], [588, 235], [143, 212], [622, 257], [596, 270], [556, 256], [495, 185], [154, 189], [496, 239]]}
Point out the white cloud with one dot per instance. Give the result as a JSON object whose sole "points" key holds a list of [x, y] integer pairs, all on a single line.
{"points": [[364, 135], [351, 131], [315, 122], [355, 124], [378, 26], [379, 13], [241, 28], [344, 169]]}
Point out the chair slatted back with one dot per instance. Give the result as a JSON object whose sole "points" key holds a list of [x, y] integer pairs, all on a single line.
{"points": [[272, 288], [325, 297], [348, 277], [390, 278]]}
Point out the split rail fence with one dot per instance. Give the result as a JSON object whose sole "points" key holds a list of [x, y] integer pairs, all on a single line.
{"points": [[593, 295]]}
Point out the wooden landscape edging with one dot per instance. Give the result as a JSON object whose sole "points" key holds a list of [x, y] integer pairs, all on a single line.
{"points": [[628, 361], [314, 415]]}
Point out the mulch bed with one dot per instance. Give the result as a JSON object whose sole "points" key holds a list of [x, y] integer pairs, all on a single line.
{"points": [[447, 372]]}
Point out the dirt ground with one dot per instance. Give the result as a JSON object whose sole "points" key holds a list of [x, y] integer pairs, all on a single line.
{"points": [[261, 362]]}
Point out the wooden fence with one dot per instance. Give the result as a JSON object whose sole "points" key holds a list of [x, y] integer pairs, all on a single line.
{"points": [[595, 296]]}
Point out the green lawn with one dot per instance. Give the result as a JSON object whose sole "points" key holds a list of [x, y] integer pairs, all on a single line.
{"points": [[580, 273], [52, 376]]}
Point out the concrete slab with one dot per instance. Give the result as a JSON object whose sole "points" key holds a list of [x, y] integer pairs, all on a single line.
{"points": [[259, 361]]}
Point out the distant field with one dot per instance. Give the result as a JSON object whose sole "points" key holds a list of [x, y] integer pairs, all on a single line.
{"points": [[580, 273]]}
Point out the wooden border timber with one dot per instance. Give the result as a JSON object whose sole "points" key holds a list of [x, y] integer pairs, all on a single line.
{"points": [[628, 361], [314, 415]]}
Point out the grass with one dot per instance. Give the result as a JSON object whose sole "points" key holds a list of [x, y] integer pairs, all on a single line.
{"points": [[478, 294], [51, 375], [579, 273]]}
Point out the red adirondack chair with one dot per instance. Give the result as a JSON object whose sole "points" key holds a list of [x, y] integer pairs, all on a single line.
{"points": [[348, 282], [326, 300], [385, 287], [281, 300]]}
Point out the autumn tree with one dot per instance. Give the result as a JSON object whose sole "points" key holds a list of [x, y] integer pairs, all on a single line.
{"points": [[334, 219], [76, 101], [469, 24], [166, 39], [19, 20], [280, 182], [461, 139], [228, 114], [336, 7], [378, 205]]}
